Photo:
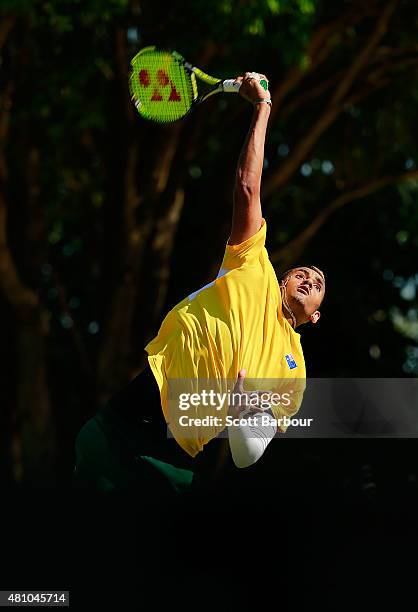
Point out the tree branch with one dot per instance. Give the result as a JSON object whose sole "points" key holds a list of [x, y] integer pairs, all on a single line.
{"points": [[321, 45], [332, 109], [15, 291], [363, 57], [307, 95], [6, 24], [381, 67], [287, 254]]}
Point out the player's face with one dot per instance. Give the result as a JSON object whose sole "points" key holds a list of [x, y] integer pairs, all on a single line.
{"points": [[305, 290]]}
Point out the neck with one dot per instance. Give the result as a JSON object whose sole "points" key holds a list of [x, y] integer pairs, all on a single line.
{"points": [[287, 311], [290, 317]]}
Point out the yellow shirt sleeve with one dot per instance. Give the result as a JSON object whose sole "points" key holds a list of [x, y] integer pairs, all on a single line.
{"points": [[247, 253]]}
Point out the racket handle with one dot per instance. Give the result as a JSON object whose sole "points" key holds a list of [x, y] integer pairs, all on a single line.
{"points": [[231, 86]]}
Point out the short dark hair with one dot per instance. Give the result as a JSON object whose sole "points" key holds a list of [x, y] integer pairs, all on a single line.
{"points": [[317, 270]]}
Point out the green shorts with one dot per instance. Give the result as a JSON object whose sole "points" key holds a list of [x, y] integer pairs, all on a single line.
{"points": [[114, 455]]}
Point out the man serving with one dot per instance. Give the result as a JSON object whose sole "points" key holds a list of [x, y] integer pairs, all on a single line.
{"points": [[242, 326], [243, 323]]}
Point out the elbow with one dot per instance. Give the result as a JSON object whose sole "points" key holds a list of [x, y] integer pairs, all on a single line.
{"points": [[243, 462]]}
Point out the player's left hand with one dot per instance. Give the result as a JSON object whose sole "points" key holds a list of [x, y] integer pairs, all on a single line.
{"points": [[248, 402]]}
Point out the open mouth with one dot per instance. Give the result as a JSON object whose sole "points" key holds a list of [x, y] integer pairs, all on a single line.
{"points": [[303, 289]]}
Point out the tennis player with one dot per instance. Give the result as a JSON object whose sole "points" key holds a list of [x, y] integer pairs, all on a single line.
{"points": [[240, 328]]}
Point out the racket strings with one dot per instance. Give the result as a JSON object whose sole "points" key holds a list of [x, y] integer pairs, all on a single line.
{"points": [[161, 87]]}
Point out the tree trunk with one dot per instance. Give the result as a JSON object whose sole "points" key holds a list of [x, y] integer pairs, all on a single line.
{"points": [[33, 440], [34, 443]]}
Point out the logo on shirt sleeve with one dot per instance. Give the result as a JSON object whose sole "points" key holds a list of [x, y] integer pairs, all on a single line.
{"points": [[290, 361]]}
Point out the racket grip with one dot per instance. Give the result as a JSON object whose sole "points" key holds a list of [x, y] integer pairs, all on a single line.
{"points": [[231, 86]]}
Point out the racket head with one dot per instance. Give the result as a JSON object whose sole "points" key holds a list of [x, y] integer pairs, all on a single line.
{"points": [[161, 86]]}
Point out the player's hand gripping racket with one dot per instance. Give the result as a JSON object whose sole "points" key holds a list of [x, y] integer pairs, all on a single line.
{"points": [[164, 86]]}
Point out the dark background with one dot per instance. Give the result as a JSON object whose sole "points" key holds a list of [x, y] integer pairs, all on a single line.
{"points": [[107, 221]]}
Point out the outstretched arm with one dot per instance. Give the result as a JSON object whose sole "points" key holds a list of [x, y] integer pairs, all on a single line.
{"points": [[247, 215]]}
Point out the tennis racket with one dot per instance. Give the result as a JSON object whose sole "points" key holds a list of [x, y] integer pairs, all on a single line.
{"points": [[164, 86]]}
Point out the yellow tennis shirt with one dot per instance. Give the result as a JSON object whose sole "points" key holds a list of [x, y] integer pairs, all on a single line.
{"points": [[234, 322]]}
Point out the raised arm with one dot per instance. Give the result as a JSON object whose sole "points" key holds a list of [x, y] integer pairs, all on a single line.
{"points": [[247, 215]]}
